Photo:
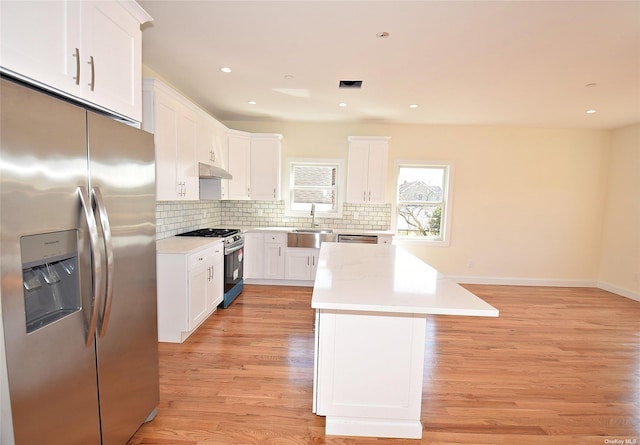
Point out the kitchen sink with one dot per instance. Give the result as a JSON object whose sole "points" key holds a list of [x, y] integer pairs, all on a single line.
{"points": [[312, 230], [309, 238]]}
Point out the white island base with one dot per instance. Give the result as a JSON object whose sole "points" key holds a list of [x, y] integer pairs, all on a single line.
{"points": [[372, 373], [372, 302]]}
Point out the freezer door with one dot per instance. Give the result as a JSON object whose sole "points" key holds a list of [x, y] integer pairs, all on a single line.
{"points": [[122, 166], [51, 370]]}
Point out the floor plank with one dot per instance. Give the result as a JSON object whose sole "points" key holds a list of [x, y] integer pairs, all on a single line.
{"points": [[559, 366]]}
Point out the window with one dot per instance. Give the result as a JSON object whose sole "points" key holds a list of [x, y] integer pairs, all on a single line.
{"points": [[314, 182], [422, 210]]}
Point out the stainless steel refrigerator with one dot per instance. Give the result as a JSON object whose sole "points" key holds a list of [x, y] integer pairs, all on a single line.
{"points": [[78, 271]]}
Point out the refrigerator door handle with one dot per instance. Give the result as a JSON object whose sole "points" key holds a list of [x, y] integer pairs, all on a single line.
{"points": [[95, 261], [108, 248]]}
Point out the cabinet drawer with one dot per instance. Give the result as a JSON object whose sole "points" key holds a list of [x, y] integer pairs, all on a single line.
{"points": [[197, 258], [275, 237], [217, 254]]}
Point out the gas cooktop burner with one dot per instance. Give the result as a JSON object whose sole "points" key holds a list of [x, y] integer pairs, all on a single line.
{"points": [[217, 233]]}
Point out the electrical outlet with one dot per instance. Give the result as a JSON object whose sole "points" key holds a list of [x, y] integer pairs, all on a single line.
{"points": [[260, 212], [470, 264], [356, 215]]}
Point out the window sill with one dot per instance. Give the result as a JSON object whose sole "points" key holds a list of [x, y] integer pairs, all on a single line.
{"points": [[399, 240]]}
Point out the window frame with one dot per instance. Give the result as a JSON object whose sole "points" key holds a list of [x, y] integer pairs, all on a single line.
{"points": [[447, 201], [340, 186]]}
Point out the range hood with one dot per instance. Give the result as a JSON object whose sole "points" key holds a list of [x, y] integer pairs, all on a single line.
{"points": [[211, 171]]}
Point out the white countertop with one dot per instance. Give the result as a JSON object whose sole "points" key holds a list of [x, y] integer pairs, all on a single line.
{"points": [[185, 244], [336, 231], [387, 278]]}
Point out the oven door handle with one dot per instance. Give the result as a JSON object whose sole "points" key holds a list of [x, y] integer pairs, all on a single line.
{"points": [[232, 249]]}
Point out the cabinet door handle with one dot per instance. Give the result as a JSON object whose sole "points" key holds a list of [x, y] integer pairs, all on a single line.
{"points": [[364, 196], [307, 261], [274, 193], [93, 73], [369, 196], [279, 251], [77, 76]]}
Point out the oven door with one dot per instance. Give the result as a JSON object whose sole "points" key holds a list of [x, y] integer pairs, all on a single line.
{"points": [[233, 267]]}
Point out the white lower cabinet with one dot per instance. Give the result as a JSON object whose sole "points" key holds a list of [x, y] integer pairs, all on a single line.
{"points": [[269, 260], [254, 255], [301, 264], [274, 247], [190, 288], [385, 239]]}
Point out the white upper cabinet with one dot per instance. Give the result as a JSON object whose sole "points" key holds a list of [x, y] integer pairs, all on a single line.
{"points": [[88, 50], [265, 166], [173, 122], [239, 158], [367, 169], [254, 163]]}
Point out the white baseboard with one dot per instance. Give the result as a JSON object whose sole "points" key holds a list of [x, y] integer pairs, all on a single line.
{"points": [[503, 281], [619, 290]]}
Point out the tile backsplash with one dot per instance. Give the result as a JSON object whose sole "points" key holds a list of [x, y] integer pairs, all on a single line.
{"points": [[174, 217]]}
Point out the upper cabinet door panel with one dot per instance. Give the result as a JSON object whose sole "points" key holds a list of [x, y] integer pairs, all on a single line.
{"points": [[377, 166], [265, 167], [166, 137], [39, 42], [187, 161], [112, 58], [357, 172], [239, 166]]}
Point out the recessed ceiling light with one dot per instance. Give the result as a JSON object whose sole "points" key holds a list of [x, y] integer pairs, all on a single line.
{"points": [[342, 104], [225, 69], [591, 111], [252, 102], [414, 106], [382, 34], [591, 85]]}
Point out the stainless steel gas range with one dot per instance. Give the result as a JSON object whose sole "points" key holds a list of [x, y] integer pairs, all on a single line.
{"points": [[233, 240]]}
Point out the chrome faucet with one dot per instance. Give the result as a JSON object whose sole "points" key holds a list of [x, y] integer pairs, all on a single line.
{"points": [[313, 215]]}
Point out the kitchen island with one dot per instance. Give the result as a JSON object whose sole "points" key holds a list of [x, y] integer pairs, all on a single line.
{"points": [[372, 303]]}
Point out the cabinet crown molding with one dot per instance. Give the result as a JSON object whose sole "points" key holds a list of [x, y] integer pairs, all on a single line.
{"points": [[136, 11]]}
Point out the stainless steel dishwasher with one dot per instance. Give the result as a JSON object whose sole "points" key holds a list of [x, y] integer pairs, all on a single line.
{"points": [[361, 239]]}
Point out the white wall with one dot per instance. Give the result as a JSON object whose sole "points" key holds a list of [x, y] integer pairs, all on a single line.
{"points": [[620, 262], [527, 201]]}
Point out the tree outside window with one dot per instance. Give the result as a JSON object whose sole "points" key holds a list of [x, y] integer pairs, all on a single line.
{"points": [[421, 200]]}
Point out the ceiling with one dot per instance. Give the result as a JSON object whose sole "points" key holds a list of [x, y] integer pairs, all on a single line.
{"points": [[506, 63]]}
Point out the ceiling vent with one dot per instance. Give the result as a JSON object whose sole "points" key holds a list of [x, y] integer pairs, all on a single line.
{"points": [[350, 84]]}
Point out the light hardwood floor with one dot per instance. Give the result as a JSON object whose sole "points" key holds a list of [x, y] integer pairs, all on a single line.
{"points": [[559, 366]]}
